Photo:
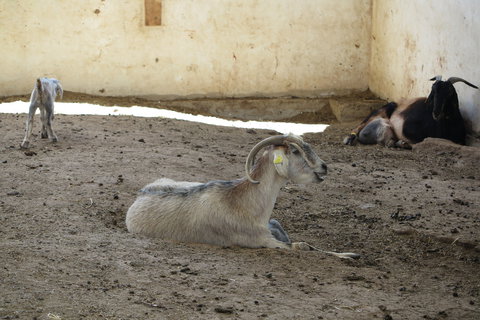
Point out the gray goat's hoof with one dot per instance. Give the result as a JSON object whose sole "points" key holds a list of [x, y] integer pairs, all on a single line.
{"points": [[301, 246]]}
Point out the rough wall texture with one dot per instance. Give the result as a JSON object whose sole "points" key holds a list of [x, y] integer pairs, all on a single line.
{"points": [[413, 41], [230, 48], [202, 47]]}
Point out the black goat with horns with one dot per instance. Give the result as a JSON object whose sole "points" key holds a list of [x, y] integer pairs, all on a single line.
{"points": [[412, 121]]}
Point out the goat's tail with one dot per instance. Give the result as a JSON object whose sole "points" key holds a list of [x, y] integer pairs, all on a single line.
{"points": [[39, 84], [39, 87]]}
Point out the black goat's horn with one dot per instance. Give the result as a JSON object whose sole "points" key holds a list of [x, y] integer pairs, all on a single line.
{"points": [[452, 80]]}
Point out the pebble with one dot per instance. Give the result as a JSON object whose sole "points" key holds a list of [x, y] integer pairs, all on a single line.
{"points": [[224, 309]]}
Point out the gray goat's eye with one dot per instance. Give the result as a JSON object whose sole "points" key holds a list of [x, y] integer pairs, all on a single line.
{"points": [[295, 151]]}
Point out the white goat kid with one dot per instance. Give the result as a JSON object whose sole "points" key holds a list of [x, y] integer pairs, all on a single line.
{"points": [[230, 213], [43, 97]]}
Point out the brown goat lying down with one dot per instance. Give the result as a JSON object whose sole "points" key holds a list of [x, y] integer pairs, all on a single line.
{"points": [[412, 121]]}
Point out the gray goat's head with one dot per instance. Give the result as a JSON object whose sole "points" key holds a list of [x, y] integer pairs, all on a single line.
{"points": [[444, 97], [293, 159]]}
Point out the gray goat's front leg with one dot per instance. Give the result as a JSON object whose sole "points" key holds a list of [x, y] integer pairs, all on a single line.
{"points": [[29, 126], [266, 240], [47, 119], [276, 244], [279, 234], [277, 231], [301, 246]]}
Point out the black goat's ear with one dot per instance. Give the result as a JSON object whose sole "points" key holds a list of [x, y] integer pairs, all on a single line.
{"points": [[429, 98], [439, 78]]}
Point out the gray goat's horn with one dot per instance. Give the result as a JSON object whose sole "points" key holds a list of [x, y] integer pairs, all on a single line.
{"points": [[275, 140], [436, 78], [452, 80], [259, 146]]}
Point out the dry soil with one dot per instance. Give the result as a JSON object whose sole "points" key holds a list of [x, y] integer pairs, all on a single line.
{"points": [[65, 253]]}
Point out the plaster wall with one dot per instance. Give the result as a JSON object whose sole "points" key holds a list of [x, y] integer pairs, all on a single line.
{"points": [[413, 41], [211, 48]]}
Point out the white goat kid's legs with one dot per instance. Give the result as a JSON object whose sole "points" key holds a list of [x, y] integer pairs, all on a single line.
{"points": [[46, 115], [43, 97], [51, 134], [29, 127], [44, 133]]}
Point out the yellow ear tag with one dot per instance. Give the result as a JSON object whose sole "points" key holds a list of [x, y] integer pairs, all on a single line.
{"points": [[278, 159]]}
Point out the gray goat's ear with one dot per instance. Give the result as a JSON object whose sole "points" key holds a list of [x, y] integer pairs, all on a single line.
{"points": [[294, 148], [59, 90]]}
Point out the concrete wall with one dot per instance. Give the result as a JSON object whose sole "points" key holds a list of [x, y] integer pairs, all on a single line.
{"points": [[203, 47], [413, 41]]}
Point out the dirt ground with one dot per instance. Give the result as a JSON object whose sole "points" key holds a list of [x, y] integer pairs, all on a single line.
{"points": [[413, 215]]}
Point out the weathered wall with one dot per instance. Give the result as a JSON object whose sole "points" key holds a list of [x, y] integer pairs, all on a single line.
{"points": [[203, 47], [413, 41]]}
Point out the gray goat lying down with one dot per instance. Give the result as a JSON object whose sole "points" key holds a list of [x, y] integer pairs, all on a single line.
{"points": [[43, 97], [230, 213]]}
